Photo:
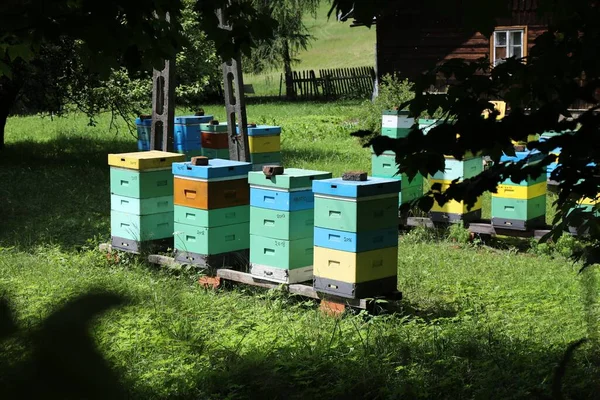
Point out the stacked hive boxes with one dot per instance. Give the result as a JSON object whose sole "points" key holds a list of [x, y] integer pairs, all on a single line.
{"points": [[282, 224], [587, 209], [453, 210], [265, 145], [144, 129], [356, 237], [520, 205], [212, 213], [215, 141], [396, 124], [186, 135], [141, 186]]}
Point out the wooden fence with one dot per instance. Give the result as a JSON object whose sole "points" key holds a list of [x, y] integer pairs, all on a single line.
{"points": [[332, 83]]}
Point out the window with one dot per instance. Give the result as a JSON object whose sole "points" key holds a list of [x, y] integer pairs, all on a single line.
{"points": [[508, 42]]}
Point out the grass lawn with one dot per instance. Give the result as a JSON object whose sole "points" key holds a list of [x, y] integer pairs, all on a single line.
{"points": [[335, 45], [476, 322]]}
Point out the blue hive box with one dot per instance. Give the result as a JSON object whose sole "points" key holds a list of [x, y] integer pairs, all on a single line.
{"points": [[356, 242], [187, 129], [216, 169], [371, 187], [282, 200], [143, 127]]}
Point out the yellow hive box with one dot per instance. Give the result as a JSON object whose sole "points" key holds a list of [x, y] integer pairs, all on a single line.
{"points": [[355, 267], [264, 144], [521, 192], [453, 206], [143, 160], [589, 202]]}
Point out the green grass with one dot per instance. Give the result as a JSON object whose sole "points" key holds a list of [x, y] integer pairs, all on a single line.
{"points": [[475, 322], [335, 45]]}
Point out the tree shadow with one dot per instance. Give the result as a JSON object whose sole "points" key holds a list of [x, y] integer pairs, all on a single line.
{"points": [[61, 361], [56, 192]]}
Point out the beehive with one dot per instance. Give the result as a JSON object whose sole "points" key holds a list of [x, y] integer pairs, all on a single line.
{"points": [[520, 205], [356, 237], [144, 128], [141, 186], [264, 143], [282, 224], [211, 217], [453, 211], [215, 140]]}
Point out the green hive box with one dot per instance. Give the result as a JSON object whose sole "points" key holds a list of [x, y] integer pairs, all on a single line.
{"points": [[153, 205], [141, 184], [410, 194], [208, 241], [265, 158], [518, 209], [527, 182], [385, 166], [292, 178], [215, 153], [395, 133], [356, 216], [284, 254], [212, 218], [286, 225], [141, 227]]}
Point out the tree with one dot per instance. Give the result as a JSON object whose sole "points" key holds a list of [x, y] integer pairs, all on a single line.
{"points": [[290, 37], [538, 92], [105, 37]]}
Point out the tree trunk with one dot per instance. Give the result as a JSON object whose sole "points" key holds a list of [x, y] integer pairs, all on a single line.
{"points": [[9, 91], [290, 93]]}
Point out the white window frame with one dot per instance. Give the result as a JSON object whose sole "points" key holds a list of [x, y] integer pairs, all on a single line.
{"points": [[507, 31]]}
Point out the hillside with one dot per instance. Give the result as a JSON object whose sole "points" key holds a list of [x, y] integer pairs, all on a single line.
{"points": [[335, 45]]}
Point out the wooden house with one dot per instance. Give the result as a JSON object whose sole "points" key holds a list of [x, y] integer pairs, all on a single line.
{"points": [[412, 40]]}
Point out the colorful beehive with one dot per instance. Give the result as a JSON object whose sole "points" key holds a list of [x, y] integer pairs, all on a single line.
{"points": [[520, 205], [585, 206], [265, 145], [186, 135], [144, 127], [215, 140], [282, 224], [454, 211], [356, 237], [141, 186], [212, 213], [396, 124]]}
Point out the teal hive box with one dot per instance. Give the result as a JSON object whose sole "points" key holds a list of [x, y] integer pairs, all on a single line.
{"points": [[216, 153], [518, 209], [464, 169], [141, 184], [356, 216], [284, 254], [141, 227], [265, 158], [385, 166], [216, 240], [286, 225], [212, 218], [220, 128], [410, 194], [153, 205], [292, 179]]}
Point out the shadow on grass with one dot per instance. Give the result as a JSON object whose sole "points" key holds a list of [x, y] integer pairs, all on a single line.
{"points": [[61, 361], [56, 192]]}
